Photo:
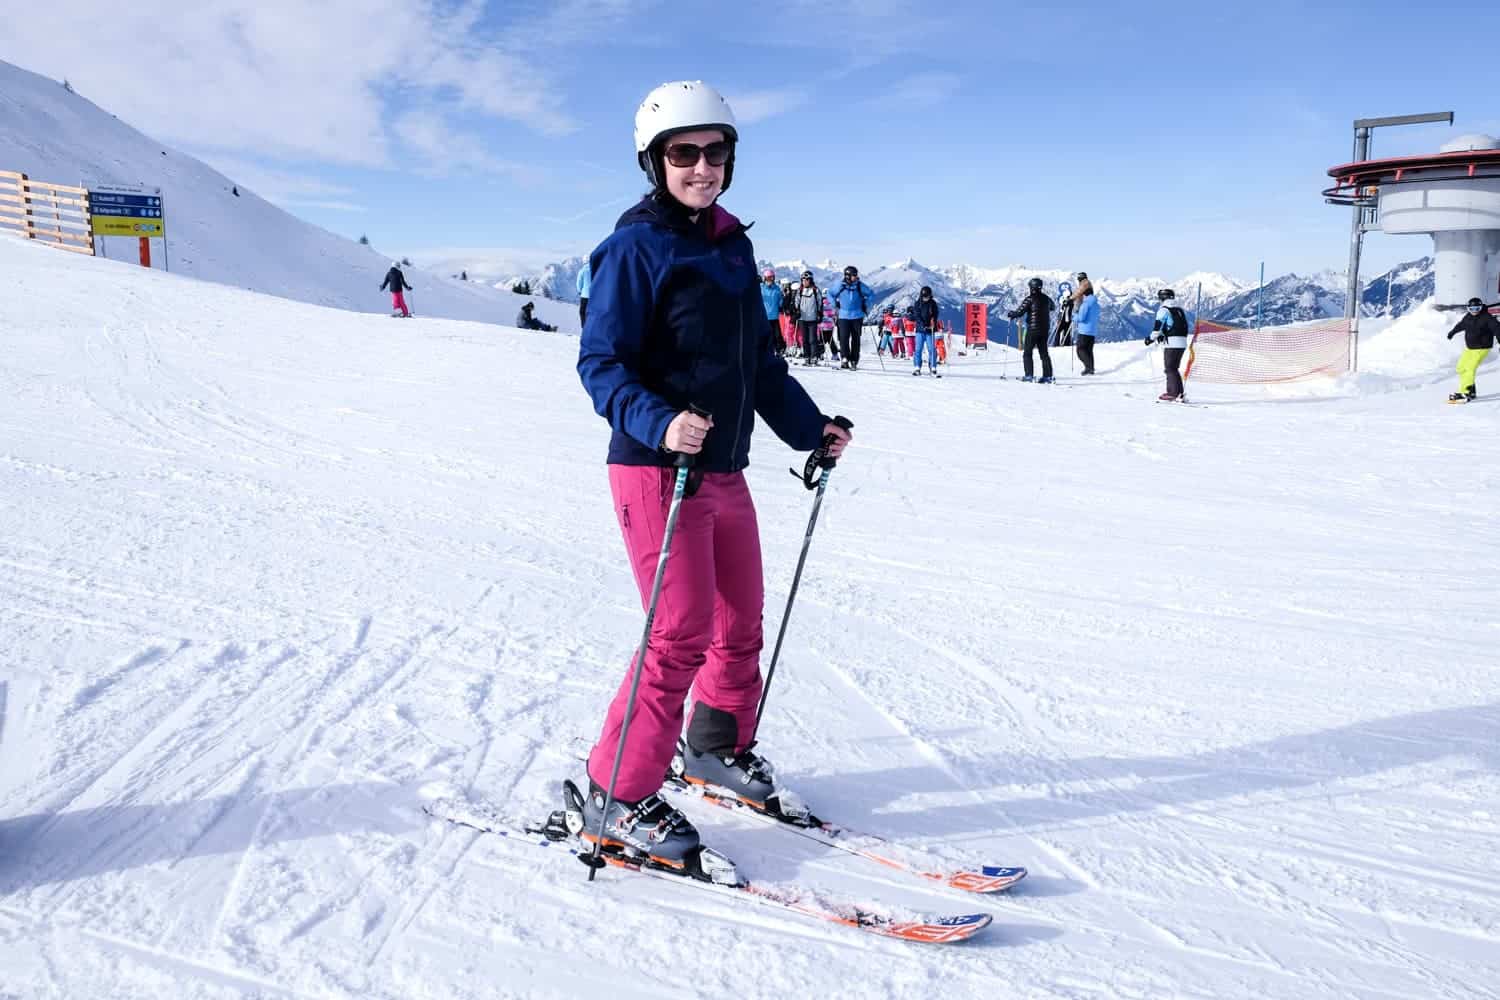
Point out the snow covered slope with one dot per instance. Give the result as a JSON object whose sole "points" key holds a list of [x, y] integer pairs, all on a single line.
{"points": [[1223, 677], [55, 135]]}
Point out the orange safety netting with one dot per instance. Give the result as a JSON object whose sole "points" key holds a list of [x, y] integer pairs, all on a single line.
{"points": [[1219, 352]]}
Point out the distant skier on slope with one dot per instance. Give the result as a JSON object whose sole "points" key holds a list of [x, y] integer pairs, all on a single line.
{"points": [[396, 282], [583, 294], [1171, 328], [807, 311], [1480, 329], [679, 323], [851, 302], [1085, 321], [924, 312], [770, 299], [526, 321], [1037, 307]]}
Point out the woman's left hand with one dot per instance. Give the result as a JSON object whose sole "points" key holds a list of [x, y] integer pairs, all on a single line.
{"points": [[841, 438]]}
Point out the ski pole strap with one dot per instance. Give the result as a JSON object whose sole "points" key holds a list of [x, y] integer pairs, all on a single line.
{"points": [[820, 459]]}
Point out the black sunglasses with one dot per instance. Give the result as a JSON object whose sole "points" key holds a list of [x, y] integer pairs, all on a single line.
{"points": [[685, 154]]}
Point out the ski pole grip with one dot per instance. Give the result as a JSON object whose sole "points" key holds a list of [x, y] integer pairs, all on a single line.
{"points": [[684, 460], [825, 461]]}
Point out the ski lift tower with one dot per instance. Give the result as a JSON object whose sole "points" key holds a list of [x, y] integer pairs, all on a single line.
{"points": [[1366, 207]]}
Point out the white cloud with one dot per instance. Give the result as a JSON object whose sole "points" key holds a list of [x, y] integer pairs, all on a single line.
{"points": [[443, 150], [284, 78], [922, 90], [759, 105]]}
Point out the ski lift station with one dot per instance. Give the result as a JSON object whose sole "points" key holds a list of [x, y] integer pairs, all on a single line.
{"points": [[1452, 195]]}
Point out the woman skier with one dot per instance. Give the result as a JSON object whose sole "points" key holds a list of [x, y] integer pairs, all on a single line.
{"points": [[679, 324]]}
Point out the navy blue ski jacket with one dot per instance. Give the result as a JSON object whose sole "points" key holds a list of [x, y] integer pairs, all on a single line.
{"points": [[675, 318]]}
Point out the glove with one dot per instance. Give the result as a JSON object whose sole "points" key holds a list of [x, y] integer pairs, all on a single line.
{"points": [[1147, 341]]}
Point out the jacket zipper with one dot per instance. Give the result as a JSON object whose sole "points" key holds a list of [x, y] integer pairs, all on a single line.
{"points": [[739, 420]]}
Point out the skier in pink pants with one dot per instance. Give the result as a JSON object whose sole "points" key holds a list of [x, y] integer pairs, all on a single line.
{"points": [[677, 321], [396, 282]]}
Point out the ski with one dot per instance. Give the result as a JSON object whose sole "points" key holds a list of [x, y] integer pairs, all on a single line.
{"points": [[710, 871], [985, 879]]}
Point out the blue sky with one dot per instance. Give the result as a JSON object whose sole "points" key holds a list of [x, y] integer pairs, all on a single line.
{"points": [[1150, 140]]}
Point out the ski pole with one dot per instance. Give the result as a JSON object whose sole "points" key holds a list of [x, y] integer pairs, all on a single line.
{"points": [[878, 356], [684, 464], [819, 459]]}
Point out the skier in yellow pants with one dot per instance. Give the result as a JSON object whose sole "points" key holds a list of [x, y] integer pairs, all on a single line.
{"points": [[1480, 330]]}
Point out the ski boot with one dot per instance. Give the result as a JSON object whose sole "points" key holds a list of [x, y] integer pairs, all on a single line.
{"points": [[1027, 378], [1458, 397], [648, 830], [936, 373], [1469, 394], [1168, 397], [745, 777], [917, 371], [1046, 380]]}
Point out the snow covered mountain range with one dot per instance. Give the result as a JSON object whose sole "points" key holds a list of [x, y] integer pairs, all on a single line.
{"points": [[1127, 305]]}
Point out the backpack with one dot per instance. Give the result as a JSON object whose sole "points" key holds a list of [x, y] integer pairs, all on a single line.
{"points": [[1179, 327]]}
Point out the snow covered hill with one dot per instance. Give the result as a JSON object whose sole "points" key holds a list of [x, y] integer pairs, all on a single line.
{"points": [[214, 233], [1224, 678]]}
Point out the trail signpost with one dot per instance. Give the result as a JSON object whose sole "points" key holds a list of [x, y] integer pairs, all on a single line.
{"points": [[129, 211]]}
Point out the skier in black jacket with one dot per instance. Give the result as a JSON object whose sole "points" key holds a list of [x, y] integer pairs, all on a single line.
{"points": [[396, 282], [1037, 308], [1480, 329]]}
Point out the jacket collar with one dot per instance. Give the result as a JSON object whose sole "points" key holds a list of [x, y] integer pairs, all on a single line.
{"points": [[659, 208]]}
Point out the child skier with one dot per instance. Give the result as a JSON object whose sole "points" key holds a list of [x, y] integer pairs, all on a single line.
{"points": [[1171, 329]]}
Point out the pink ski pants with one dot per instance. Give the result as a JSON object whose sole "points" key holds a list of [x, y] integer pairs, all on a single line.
{"points": [[707, 633], [398, 301]]}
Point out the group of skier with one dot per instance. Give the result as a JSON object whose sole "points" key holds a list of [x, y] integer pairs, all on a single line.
{"points": [[817, 323]]}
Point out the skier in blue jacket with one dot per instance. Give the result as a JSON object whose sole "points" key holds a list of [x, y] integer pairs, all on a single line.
{"points": [[583, 294], [851, 302], [770, 299], [679, 323], [1086, 321]]}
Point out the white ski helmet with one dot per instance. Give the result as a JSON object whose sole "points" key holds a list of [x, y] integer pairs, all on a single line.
{"points": [[682, 106], [396, 263]]}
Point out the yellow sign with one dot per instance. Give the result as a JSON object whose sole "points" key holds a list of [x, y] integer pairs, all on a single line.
{"points": [[116, 225]]}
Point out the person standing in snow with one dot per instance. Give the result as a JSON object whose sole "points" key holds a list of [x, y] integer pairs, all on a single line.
{"points": [[583, 294], [1086, 321], [851, 302], [886, 344], [808, 312], [396, 282], [1037, 307], [924, 312], [789, 335], [679, 323], [770, 298], [1171, 330], [1480, 329]]}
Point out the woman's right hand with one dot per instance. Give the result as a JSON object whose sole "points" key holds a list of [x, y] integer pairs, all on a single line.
{"points": [[686, 432]]}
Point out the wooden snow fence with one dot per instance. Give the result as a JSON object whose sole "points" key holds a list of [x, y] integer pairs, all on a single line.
{"points": [[55, 214]]}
